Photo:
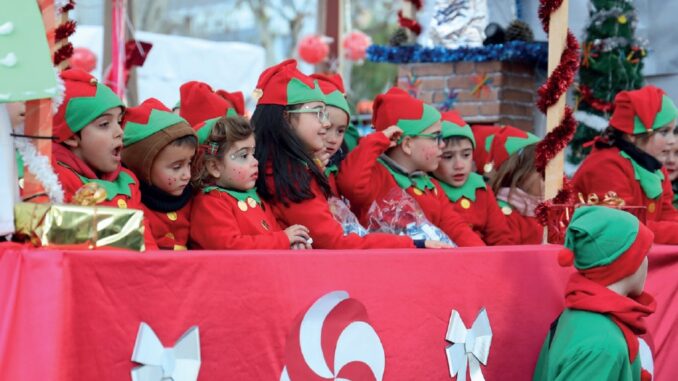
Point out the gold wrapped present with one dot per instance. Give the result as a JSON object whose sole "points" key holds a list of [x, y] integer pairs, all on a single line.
{"points": [[79, 227]]}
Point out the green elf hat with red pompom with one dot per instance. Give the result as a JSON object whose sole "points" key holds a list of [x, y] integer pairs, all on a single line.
{"points": [[85, 99], [496, 144], [149, 128], [283, 84], [454, 125], [397, 107], [200, 103], [605, 244], [643, 110], [333, 87]]}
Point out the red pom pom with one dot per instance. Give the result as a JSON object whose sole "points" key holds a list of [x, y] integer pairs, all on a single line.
{"points": [[645, 375], [565, 257]]}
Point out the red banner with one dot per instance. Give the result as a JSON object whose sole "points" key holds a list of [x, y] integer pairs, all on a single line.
{"points": [[361, 315]]}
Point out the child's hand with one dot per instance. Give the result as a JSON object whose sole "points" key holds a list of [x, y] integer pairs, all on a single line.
{"points": [[322, 157], [298, 234], [393, 133], [430, 244]]}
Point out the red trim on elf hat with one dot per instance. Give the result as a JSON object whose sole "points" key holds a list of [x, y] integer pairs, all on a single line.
{"points": [[645, 103], [236, 99], [78, 83], [272, 85], [394, 105], [480, 156], [329, 82], [199, 103], [142, 113]]}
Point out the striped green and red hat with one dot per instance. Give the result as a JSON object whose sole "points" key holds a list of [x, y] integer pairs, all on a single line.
{"points": [[332, 86], [495, 144], [283, 84], [397, 107], [454, 125], [85, 99], [643, 110]]}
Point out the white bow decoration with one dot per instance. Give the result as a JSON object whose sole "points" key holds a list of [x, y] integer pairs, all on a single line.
{"points": [[178, 363], [470, 346]]}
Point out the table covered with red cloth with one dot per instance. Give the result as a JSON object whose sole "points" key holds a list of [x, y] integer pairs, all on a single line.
{"points": [[75, 315]]}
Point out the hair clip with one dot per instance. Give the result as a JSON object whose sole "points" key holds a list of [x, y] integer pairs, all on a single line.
{"points": [[212, 148]]}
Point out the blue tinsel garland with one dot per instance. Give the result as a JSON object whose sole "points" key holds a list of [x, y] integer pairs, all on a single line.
{"points": [[513, 51]]}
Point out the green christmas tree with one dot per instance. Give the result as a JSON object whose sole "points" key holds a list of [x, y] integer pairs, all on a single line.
{"points": [[612, 61]]}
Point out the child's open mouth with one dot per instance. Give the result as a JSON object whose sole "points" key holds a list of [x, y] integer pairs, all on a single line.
{"points": [[116, 152]]}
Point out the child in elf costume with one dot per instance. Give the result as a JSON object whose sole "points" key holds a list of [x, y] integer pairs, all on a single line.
{"points": [[472, 198], [625, 161], [597, 335], [290, 123], [507, 159], [159, 147], [671, 164], [227, 211], [89, 144], [405, 148]]}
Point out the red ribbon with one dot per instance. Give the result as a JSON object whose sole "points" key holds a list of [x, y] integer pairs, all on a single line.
{"points": [[410, 24]]}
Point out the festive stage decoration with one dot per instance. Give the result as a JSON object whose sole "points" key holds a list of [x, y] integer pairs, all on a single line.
{"points": [[413, 84], [457, 23], [334, 327], [355, 45], [314, 49], [450, 100], [178, 363], [468, 346], [612, 61], [482, 85], [115, 73], [83, 59], [514, 51]]}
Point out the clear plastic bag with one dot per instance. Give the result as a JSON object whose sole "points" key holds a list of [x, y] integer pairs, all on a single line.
{"points": [[399, 213], [343, 214]]}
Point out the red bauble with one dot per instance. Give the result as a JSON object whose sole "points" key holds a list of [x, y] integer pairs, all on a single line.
{"points": [[314, 49], [83, 59], [355, 45]]}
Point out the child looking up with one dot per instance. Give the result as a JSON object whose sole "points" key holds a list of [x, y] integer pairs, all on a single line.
{"points": [[597, 335], [159, 148], [405, 148], [472, 198], [625, 161]]}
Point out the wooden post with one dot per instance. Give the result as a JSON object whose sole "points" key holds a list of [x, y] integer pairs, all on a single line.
{"points": [[553, 180]]}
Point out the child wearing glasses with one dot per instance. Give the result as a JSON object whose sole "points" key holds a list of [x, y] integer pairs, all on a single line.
{"points": [[507, 158], [471, 197], [291, 123], [625, 161], [405, 148], [227, 212]]}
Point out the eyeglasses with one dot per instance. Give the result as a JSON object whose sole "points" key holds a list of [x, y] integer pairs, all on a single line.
{"points": [[321, 113], [438, 137]]}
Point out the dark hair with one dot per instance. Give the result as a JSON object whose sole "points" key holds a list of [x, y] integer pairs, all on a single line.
{"points": [[225, 132], [456, 140], [186, 140], [612, 135], [278, 146]]}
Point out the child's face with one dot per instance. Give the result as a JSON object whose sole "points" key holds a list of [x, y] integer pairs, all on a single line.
{"points": [[659, 140], [171, 169], [338, 126], [238, 169], [310, 125], [99, 144], [455, 163], [671, 162], [424, 151]]}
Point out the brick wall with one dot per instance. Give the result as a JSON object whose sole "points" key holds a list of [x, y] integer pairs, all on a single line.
{"points": [[509, 100]]}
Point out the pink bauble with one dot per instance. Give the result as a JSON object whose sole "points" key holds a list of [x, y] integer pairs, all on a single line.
{"points": [[355, 45], [83, 59], [313, 49]]}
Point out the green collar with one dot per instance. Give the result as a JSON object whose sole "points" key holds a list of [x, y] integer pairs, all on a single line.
{"points": [[330, 169], [468, 190], [675, 200], [238, 195], [121, 185], [650, 182], [419, 180]]}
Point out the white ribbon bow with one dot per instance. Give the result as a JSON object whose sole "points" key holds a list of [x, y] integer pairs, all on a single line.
{"points": [[472, 346], [178, 363]]}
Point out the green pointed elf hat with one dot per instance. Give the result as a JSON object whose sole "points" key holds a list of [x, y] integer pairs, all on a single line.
{"points": [[204, 129], [454, 125], [643, 110], [333, 87], [397, 107], [283, 84]]}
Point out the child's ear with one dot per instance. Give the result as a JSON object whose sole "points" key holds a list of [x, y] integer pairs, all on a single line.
{"points": [[213, 168], [406, 145], [73, 141]]}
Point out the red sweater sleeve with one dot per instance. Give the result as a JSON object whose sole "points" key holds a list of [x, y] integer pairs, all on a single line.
{"points": [[326, 232], [453, 224], [355, 180], [214, 226], [497, 231]]}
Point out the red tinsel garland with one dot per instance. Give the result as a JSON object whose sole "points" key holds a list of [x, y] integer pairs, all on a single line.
{"points": [[417, 3], [65, 30], [63, 53], [587, 96], [410, 24], [69, 6]]}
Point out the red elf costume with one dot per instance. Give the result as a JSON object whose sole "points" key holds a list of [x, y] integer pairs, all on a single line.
{"points": [[517, 205], [149, 128], [368, 174], [284, 85], [597, 337], [475, 200], [620, 166], [85, 99]]}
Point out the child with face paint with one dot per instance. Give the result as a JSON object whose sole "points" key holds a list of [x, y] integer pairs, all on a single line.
{"points": [[472, 198], [625, 161], [405, 148], [291, 123], [227, 211], [159, 149], [89, 143]]}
